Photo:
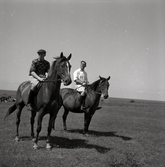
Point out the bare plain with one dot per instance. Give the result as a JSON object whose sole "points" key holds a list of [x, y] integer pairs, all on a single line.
{"points": [[124, 133]]}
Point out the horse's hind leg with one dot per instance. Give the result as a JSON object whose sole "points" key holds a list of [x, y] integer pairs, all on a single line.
{"points": [[18, 115], [64, 118], [32, 120], [53, 123]]}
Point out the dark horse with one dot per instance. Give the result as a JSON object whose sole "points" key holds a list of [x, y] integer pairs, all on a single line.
{"points": [[71, 100], [46, 100]]}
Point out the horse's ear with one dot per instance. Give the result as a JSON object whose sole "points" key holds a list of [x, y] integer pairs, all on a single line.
{"points": [[108, 78], [61, 55], [100, 77], [69, 57]]}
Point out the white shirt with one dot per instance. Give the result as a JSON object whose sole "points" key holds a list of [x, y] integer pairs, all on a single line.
{"points": [[81, 75]]}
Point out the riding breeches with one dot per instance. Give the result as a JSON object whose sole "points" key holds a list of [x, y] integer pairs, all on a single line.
{"points": [[33, 82]]}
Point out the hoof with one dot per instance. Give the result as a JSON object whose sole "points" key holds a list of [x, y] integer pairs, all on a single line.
{"points": [[35, 146], [85, 134], [33, 139], [48, 146], [65, 129], [17, 139]]}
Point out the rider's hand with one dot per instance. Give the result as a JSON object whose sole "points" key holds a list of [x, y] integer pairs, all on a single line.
{"points": [[84, 84], [41, 79]]}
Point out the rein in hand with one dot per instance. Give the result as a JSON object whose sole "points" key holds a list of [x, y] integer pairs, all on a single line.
{"points": [[50, 80], [86, 87]]}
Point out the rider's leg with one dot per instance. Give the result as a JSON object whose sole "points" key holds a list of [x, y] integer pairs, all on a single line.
{"points": [[31, 93], [30, 96], [34, 82], [83, 97]]}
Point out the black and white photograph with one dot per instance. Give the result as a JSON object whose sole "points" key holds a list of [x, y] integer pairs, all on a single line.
{"points": [[82, 83]]}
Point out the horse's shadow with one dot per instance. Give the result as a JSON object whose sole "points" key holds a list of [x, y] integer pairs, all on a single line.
{"points": [[62, 142], [99, 134]]}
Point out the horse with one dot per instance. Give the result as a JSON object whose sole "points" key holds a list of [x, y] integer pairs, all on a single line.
{"points": [[3, 99], [71, 100], [46, 101]]}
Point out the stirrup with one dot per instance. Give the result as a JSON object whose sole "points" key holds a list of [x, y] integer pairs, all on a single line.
{"points": [[83, 108]]}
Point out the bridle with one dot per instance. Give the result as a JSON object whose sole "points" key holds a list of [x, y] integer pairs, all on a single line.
{"points": [[60, 74], [51, 81], [99, 88], [87, 88]]}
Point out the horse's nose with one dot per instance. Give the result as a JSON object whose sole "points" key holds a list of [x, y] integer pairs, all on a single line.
{"points": [[67, 81], [106, 96]]}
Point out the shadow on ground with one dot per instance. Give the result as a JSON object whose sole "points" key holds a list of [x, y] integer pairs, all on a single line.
{"points": [[62, 142], [99, 134]]}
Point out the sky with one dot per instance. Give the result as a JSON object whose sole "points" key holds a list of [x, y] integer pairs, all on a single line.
{"points": [[124, 39]]}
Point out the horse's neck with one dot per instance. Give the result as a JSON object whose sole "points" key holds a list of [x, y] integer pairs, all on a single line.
{"points": [[58, 84], [54, 81], [95, 92], [95, 86], [53, 75]]}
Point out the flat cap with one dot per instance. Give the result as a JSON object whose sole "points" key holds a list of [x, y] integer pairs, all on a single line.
{"points": [[41, 51]]}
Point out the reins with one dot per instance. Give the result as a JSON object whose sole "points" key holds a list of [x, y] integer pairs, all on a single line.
{"points": [[86, 87], [51, 80], [54, 81], [95, 92]]}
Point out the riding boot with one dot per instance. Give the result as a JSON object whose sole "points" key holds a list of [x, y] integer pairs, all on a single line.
{"points": [[83, 108], [31, 94]]}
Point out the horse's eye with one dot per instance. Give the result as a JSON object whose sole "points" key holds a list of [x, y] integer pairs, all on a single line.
{"points": [[63, 65]]}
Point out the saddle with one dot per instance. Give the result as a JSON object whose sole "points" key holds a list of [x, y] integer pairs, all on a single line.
{"points": [[26, 92], [37, 87]]}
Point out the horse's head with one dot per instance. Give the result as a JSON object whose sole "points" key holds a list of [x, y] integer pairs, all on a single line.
{"points": [[104, 86], [63, 69]]}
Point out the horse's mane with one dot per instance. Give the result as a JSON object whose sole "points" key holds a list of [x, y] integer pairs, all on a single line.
{"points": [[56, 61], [52, 67], [94, 85]]}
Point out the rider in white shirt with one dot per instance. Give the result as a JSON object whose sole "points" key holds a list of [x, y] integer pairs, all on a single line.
{"points": [[81, 80]]}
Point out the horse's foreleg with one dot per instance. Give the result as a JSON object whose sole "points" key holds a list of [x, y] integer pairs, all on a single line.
{"points": [[18, 120], [87, 120], [32, 120], [64, 118], [50, 125], [39, 126], [53, 124]]}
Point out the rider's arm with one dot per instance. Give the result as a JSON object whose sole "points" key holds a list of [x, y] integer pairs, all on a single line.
{"points": [[78, 81], [36, 76], [48, 67], [46, 74], [32, 71]]}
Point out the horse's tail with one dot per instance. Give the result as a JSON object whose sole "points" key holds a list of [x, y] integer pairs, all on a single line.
{"points": [[10, 110]]}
